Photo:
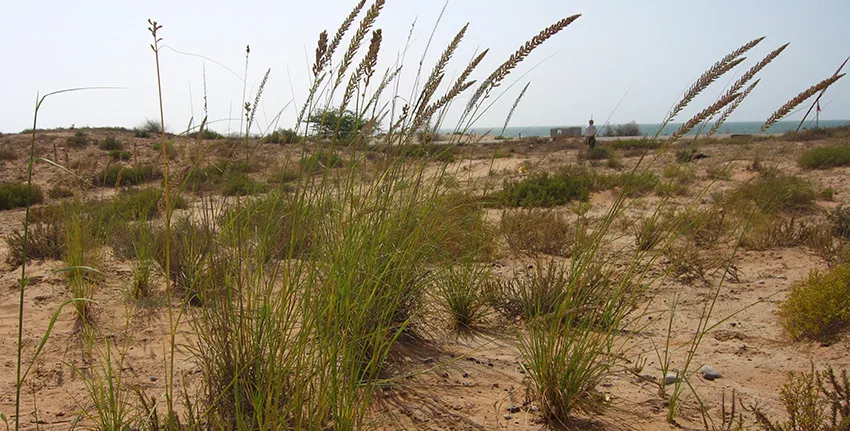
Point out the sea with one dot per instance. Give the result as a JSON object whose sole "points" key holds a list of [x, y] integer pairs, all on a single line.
{"points": [[650, 129]]}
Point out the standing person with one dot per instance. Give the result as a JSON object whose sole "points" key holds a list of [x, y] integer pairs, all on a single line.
{"points": [[590, 133]]}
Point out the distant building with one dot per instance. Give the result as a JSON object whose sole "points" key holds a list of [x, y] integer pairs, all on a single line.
{"points": [[565, 132]]}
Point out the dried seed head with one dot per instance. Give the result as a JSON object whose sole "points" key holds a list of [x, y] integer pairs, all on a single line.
{"points": [[800, 98]]}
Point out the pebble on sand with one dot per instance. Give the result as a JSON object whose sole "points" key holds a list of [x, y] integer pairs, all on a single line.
{"points": [[710, 373]]}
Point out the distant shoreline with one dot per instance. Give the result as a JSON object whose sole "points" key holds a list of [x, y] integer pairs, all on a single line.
{"points": [[650, 129]]}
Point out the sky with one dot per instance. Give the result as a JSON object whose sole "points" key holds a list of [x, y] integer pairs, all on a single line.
{"points": [[644, 54]]}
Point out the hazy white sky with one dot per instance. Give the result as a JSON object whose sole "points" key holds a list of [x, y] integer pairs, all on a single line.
{"points": [[654, 48]]}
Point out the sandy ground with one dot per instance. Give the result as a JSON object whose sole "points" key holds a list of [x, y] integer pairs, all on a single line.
{"points": [[473, 382]]}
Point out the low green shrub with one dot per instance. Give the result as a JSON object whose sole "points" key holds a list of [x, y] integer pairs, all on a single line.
{"points": [[635, 144], [815, 401], [212, 176], [597, 153], [818, 308], [110, 144], [79, 140], [45, 241], [772, 191], [59, 192], [840, 218], [283, 136], [116, 175], [460, 291], [117, 155], [283, 175], [14, 195], [242, 185], [437, 152], [169, 148], [6, 153], [825, 157], [147, 129], [545, 190], [321, 161], [538, 231]]}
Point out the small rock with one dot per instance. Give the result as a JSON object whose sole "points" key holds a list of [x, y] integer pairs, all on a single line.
{"points": [[514, 409], [508, 417], [457, 407], [154, 378], [465, 375], [444, 374], [671, 378], [710, 373], [761, 281], [781, 277]]}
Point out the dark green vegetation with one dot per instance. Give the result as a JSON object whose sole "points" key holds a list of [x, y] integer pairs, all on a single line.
{"points": [[826, 157], [117, 175], [15, 195]]}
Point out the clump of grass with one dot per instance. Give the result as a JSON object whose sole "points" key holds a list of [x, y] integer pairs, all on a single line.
{"points": [[218, 174], [46, 241], [437, 152], [59, 192], [635, 184], [320, 161], [840, 218], [169, 148], [116, 175], [813, 401], [818, 308], [16, 195], [538, 231], [191, 248], [772, 191], [283, 175], [117, 155], [242, 185], [110, 144], [147, 129], [650, 232], [545, 190], [79, 140], [82, 250], [825, 157], [283, 136], [460, 291], [597, 153], [635, 144], [7, 153]]}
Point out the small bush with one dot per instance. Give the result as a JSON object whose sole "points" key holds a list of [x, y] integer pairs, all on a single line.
{"points": [[637, 184], [716, 172], [818, 308], [460, 291], [772, 191], [825, 157], [79, 140], [169, 148], [635, 144], [117, 155], [840, 218], [627, 129], [207, 134], [538, 231], [321, 161], [110, 144], [59, 192], [116, 175], [242, 185], [283, 136], [437, 152], [46, 241], [597, 153], [649, 233], [6, 153], [148, 129], [14, 195], [815, 401], [283, 175], [546, 190], [212, 176]]}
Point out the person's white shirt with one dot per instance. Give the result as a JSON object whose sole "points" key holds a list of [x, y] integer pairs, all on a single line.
{"points": [[591, 130]]}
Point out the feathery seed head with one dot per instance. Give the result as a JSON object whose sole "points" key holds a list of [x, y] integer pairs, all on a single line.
{"points": [[797, 100]]}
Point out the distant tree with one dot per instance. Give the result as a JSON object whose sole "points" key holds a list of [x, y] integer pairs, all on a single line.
{"points": [[329, 123], [628, 129]]}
